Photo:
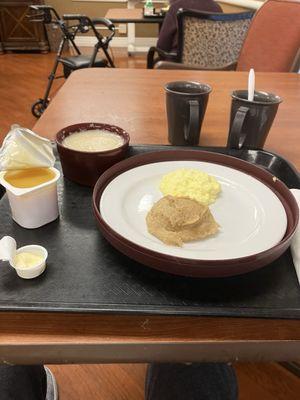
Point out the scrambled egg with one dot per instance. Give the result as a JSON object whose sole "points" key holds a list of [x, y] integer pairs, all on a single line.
{"points": [[192, 183]]}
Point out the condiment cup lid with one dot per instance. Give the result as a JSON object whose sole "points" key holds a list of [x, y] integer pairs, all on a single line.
{"points": [[8, 248]]}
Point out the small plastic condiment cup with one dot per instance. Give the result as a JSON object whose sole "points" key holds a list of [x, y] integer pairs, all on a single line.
{"points": [[31, 272], [34, 206]]}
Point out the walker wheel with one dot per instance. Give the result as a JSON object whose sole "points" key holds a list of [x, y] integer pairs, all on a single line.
{"points": [[39, 107]]}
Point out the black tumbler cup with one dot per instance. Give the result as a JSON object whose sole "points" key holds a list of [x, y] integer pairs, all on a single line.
{"points": [[250, 121], [186, 105]]}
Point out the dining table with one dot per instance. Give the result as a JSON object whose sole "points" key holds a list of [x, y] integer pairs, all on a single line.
{"points": [[134, 16], [131, 16], [135, 100]]}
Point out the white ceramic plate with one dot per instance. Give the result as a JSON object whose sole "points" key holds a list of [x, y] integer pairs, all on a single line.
{"points": [[251, 217]]}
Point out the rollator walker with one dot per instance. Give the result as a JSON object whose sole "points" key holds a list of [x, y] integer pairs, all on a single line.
{"points": [[80, 24]]}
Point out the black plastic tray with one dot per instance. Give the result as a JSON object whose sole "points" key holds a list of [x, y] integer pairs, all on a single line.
{"points": [[86, 274]]}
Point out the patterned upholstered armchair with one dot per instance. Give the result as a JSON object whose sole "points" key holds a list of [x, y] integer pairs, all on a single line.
{"points": [[206, 41]]}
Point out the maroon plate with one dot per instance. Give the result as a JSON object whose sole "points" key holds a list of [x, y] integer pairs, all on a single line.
{"points": [[188, 267]]}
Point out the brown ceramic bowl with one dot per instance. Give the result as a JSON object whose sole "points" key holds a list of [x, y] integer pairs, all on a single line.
{"points": [[85, 167], [188, 267]]}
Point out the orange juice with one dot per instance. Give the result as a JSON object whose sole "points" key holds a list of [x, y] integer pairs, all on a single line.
{"points": [[27, 178]]}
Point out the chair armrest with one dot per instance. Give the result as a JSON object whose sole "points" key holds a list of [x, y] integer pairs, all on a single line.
{"points": [[162, 55], [174, 65], [296, 63]]}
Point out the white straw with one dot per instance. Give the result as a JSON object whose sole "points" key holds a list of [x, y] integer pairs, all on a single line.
{"points": [[251, 84]]}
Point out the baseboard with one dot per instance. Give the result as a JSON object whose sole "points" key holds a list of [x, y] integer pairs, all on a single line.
{"points": [[141, 43]]}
